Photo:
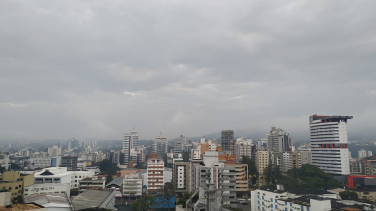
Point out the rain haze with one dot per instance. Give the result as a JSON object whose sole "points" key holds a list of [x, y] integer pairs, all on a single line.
{"points": [[96, 69]]}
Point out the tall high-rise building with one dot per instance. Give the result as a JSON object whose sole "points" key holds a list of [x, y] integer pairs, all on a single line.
{"points": [[279, 140], [329, 144], [262, 161], [160, 146], [130, 141], [227, 138], [70, 162], [243, 147], [155, 172], [179, 143]]}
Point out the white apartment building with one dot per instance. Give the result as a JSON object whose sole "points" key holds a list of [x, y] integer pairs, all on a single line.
{"points": [[130, 141], [243, 147], [329, 144], [40, 163], [62, 176], [132, 185], [364, 153], [155, 174], [212, 145], [197, 153]]}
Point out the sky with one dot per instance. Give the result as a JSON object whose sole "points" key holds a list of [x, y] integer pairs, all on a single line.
{"points": [[96, 69]]}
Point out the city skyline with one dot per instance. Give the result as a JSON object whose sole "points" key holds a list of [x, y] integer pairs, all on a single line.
{"points": [[92, 71]]}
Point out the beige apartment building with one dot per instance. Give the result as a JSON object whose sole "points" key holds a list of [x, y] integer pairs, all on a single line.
{"points": [[262, 161], [241, 177], [15, 182]]}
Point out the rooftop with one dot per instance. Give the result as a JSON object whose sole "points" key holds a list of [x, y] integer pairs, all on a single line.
{"points": [[118, 181], [91, 199], [305, 191], [48, 200], [306, 201], [273, 190]]}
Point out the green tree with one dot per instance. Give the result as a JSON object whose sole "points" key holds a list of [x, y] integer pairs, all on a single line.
{"points": [[167, 192], [144, 203], [273, 174], [252, 169], [15, 166], [182, 200], [348, 195], [311, 176]]}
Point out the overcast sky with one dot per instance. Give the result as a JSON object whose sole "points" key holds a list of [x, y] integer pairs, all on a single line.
{"points": [[95, 69]]}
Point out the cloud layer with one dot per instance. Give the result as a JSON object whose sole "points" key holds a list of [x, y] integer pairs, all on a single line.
{"points": [[95, 69]]}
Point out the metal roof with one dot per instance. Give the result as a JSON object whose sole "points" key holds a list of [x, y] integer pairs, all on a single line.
{"points": [[118, 181]]}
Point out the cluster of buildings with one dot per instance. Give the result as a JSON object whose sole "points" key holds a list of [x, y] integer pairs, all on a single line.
{"points": [[301, 199], [210, 169]]}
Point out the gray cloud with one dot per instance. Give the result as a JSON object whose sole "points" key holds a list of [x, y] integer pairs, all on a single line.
{"points": [[94, 70]]}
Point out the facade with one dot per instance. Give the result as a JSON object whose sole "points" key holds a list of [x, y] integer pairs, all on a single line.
{"points": [[130, 141], [132, 185], [155, 174], [241, 177], [329, 144], [243, 147], [160, 146], [305, 157], [47, 188], [60, 175], [93, 183], [370, 167], [178, 146], [5, 198], [40, 163], [227, 138], [181, 176], [15, 182], [364, 153], [355, 166], [262, 161], [279, 141], [70, 162], [295, 160], [55, 162], [54, 151]]}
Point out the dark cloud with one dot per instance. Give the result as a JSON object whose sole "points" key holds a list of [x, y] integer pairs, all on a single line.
{"points": [[94, 69]]}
